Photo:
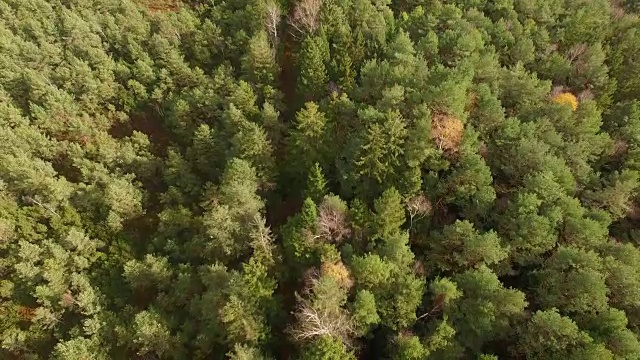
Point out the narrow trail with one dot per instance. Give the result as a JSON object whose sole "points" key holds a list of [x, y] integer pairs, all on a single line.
{"points": [[288, 71], [287, 206]]}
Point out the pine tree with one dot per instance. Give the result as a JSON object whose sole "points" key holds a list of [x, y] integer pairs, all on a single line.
{"points": [[312, 81], [460, 247], [389, 214], [308, 138], [549, 335], [316, 184], [572, 280], [259, 64], [486, 310]]}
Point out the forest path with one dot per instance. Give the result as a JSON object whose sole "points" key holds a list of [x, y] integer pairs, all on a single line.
{"points": [[288, 72]]}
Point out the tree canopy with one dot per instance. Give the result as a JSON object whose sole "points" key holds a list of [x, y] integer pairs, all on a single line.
{"points": [[319, 179]]}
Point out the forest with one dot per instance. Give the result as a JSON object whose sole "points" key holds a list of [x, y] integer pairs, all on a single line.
{"points": [[320, 179]]}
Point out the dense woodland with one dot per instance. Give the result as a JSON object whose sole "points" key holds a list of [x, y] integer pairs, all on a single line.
{"points": [[320, 179]]}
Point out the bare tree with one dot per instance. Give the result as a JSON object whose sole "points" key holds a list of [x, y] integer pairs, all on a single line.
{"points": [[272, 20], [557, 90], [438, 303], [317, 316], [33, 200], [586, 94], [332, 222], [313, 322], [305, 17], [418, 207], [576, 51], [261, 235], [67, 300]]}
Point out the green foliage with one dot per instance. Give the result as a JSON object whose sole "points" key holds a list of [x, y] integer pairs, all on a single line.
{"points": [[397, 292], [308, 138], [296, 233], [389, 214], [624, 64], [243, 352], [325, 348], [232, 207], [487, 309], [316, 187], [460, 247], [381, 145], [313, 77], [549, 335], [528, 233], [408, 347], [572, 280], [469, 187], [609, 327], [177, 177], [365, 315], [259, 64], [77, 349], [150, 334], [622, 274]]}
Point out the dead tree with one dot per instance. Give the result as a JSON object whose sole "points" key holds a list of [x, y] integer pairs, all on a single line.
{"points": [[437, 306], [332, 222], [447, 132], [305, 17], [271, 21], [33, 200], [418, 207], [576, 51], [314, 322], [317, 316]]}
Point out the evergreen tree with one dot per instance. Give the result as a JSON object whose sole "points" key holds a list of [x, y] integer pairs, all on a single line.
{"points": [[308, 139], [461, 247], [314, 54], [316, 184], [572, 280], [176, 177], [549, 335]]}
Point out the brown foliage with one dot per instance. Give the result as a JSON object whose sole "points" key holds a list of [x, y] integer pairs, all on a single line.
{"points": [[419, 268], [26, 313], [557, 90], [6, 231], [634, 211], [472, 102], [67, 300], [620, 147], [339, 272], [447, 132], [483, 150], [617, 9], [160, 5], [585, 95]]}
